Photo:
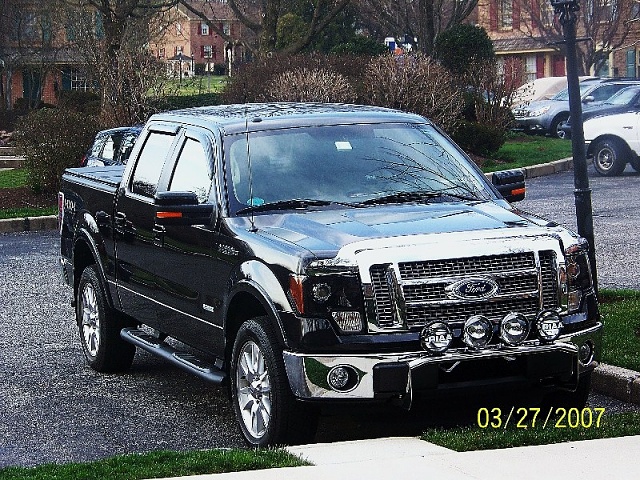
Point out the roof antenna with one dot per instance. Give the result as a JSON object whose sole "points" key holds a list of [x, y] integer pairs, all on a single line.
{"points": [[251, 201]]}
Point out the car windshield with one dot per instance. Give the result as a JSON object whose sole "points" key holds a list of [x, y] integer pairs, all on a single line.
{"points": [[357, 165], [564, 94], [623, 97]]}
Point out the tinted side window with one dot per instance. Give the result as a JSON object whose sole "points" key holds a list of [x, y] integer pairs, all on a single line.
{"points": [[193, 171], [96, 149], [602, 93], [149, 167], [108, 151]]}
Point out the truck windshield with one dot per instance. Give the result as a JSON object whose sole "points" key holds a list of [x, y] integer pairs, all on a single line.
{"points": [[348, 164]]}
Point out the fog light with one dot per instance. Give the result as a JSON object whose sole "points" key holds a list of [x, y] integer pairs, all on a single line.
{"points": [[436, 337], [549, 326], [348, 322], [586, 353], [514, 329], [342, 378], [477, 331]]}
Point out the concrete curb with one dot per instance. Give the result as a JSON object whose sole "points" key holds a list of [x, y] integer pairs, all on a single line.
{"points": [[27, 224], [617, 382]]}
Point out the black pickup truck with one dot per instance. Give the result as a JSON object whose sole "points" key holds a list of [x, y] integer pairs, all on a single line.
{"points": [[313, 253]]}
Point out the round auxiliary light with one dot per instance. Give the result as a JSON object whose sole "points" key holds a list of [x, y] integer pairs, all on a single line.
{"points": [[549, 326], [321, 292], [436, 337], [477, 331], [342, 378], [514, 329]]}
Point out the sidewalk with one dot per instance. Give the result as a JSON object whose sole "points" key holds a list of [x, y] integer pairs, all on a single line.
{"points": [[409, 458]]}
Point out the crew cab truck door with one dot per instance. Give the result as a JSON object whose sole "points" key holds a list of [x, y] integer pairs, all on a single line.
{"points": [[137, 255], [171, 288]]}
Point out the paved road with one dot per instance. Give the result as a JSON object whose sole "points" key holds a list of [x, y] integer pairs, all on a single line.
{"points": [[616, 219], [55, 409]]}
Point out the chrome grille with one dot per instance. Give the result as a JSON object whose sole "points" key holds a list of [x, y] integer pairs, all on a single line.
{"points": [[527, 283], [549, 275], [467, 266]]}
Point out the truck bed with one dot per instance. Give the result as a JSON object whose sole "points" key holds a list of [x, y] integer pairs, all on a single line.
{"points": [[103, 178]]}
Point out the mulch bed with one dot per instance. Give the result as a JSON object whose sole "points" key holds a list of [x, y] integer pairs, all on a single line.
{"points": [[23, 197]]}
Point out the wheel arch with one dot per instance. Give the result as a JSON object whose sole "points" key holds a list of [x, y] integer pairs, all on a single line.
{"points": [[605, 137], [86, 252], [255, 292]]}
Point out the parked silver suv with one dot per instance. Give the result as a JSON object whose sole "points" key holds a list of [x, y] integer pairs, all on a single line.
{"points": [[546, 116]]}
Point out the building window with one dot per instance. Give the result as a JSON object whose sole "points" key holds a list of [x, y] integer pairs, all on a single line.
{"points": [[530, 68], [226, 28], [161, 53], [74, 79], [179, 49], [505, 14], [207, 51], [178, 28], [204, 29], [548, 14]]}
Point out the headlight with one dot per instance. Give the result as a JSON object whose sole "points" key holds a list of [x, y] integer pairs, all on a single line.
{"points": [[336, 297], [575, 275], [539, 111]]}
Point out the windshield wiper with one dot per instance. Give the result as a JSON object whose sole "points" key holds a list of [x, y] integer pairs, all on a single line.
{"points": [[294, 204], [418, 196]]}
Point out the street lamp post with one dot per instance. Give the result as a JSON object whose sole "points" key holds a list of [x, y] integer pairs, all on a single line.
{"points": [[568, 12]]}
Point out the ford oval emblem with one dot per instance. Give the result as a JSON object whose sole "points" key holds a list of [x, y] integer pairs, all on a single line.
{"points": [[475, 288]]}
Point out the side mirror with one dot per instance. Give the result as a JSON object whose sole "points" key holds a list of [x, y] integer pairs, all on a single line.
{"points": [[510, 184], [181, 208], [588, 99]]}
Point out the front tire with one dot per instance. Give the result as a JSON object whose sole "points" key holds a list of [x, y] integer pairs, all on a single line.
{"points": [[609, 157], [99, 327], [554, 128], [266, 410]]}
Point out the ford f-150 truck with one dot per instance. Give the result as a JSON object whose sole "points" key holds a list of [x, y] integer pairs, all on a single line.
{"points": [[305, 254]]}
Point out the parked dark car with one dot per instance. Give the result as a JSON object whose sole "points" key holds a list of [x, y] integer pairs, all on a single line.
{"points": [[625, 100], [111, 147]]}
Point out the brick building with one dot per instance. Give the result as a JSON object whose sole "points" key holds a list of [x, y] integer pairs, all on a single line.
{"points": [[37, 60], [516, 27], [191, 45]]}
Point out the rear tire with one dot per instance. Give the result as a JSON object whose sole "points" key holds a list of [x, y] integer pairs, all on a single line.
{"points": [[99, 327], [609, 157], [266, 409]]}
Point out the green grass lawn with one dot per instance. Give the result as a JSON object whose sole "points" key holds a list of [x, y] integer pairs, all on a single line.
{"points": [[525, 150], [13, 178], [474, 437], [158, 465], [620, 311], [198, 85]]}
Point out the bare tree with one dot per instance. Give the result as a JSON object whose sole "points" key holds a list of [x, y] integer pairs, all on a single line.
{"points": [[421, 19], [261, 17], [112, 36], [27, 43], [603, 26]]}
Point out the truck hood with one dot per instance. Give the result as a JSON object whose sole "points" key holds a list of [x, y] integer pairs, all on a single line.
{"points": [[325, 232]]}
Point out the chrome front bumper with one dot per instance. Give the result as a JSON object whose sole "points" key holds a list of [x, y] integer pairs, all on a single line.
{"points": [[308, 374]]}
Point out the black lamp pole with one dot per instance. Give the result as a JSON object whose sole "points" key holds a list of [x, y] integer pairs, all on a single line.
{"points": [[568, 11]]}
